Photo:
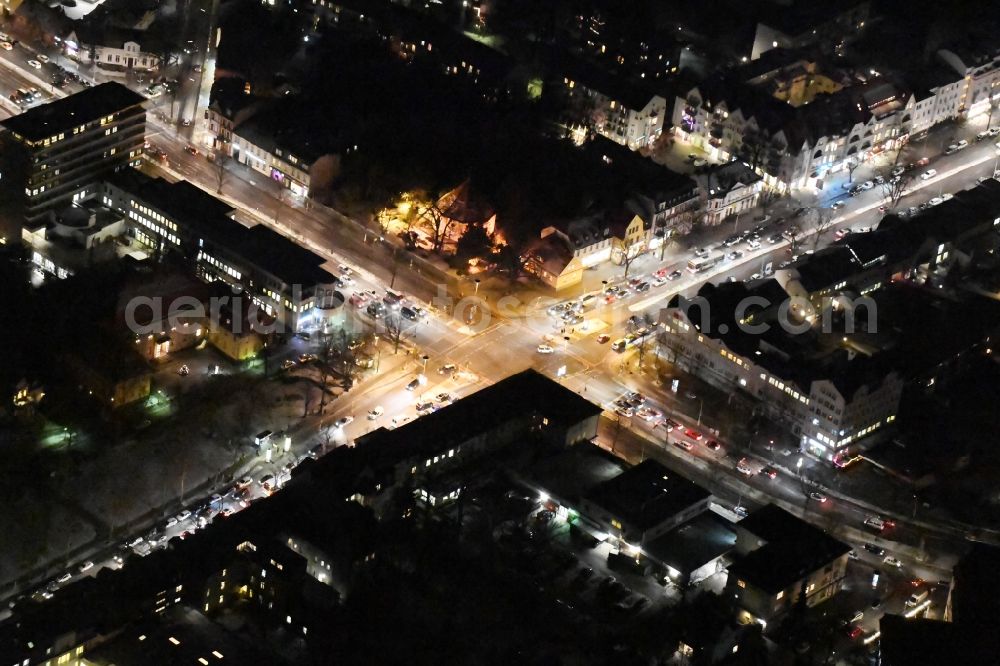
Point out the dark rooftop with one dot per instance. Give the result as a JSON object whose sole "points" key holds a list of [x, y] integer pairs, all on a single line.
{"points": [[210, 218], [526, 395], [793, 549], [63, 115], [646, 495], [693, 544]]}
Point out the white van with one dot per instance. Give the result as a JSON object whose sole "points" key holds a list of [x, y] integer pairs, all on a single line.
{"points": [[917, 598]]}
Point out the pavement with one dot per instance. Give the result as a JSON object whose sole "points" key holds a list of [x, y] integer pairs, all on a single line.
{"points": [[492, 347]]}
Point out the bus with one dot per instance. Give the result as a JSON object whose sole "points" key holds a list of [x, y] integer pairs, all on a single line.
{"points": [[697, 265]]}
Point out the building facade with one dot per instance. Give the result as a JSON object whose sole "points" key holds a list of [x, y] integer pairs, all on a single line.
{"points": [[53, 151]]}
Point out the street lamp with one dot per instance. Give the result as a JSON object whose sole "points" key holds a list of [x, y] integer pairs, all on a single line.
{"points": [[477, 287]]}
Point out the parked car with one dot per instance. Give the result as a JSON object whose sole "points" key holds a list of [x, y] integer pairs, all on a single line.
{"points": [[818, 497], [85, 567], [769, 472], [375, 412], [343, 421], [713, 445], [874, 549], [927, 175], [892, 561], [447, 369]]}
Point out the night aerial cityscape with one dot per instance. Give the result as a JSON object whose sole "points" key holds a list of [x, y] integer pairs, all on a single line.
{"points": [[541, 332]]}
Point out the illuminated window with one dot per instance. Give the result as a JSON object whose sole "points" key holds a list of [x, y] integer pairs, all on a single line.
{"points": [[741, 584]]}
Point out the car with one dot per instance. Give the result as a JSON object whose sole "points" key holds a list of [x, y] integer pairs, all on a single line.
{"points": [[874, 549], [603, 338], [898, 170], [927, 175], [962, 144], [674, 275], [343, 421], [818, 497], [733, 256], [85, 567], [306, 358], [892, 562], [713, 445], [243, 482], [642, 287], [658, 281], [183, 515], [375, 412], [993, 131], [191, 150], [982, 135], [419, 380], [35, 64], [854, 555], [267, 481], [693, 434], [740, 510], [6, 46], [876, 602], [287, 364], [769, 472], [443, 398], [649, 414], [837, 205], [627, 412], [425, 407], [743, 467], [700, 252], [878, 524], [698, 163], [65, 578], [171, 522], [447, 369], [951, 149], [935, 201]]}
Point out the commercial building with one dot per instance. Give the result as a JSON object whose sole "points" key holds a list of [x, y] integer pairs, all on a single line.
{"points": [[54, 151], [783, 561], [111, 48], [643, 503], [830, 392], [282, 279]]}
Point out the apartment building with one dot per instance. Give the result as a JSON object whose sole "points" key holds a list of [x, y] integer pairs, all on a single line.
{"points": [[781, 560], [52, 152], [829, 394]]}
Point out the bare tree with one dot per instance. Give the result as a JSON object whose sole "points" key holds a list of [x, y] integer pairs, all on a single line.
{"points": [[893, 188], [221, 161], [629, 254], [394, 329], [816, 221], [852, 165]]}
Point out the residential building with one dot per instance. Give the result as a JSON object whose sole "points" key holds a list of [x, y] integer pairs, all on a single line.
{"points": [[283, 144], [642, 503], [801, 23], [231, 104], [783, 561], [623, 112], [110, 48], [830, 393], [738, 114], [728, 189], [553, 260], [53, 152], [282, 280]]}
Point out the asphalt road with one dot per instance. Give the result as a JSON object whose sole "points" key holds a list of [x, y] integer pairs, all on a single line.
{"points": [[507, 345]]}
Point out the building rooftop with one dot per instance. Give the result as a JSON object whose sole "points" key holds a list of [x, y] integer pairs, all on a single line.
{"points": [[646, 495], [693, 544], [570, 473], [793, 549], [211, 219], [525, 395], [63, 115]]}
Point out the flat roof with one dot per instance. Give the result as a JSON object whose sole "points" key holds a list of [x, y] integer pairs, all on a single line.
{"points": [[793, 549], [646, 495], [693, 544], [523, 395], [206, 216], [62, 115], [572, 472]]}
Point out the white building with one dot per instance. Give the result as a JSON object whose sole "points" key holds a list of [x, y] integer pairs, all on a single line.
{"points": [[115, 51], [831, 406], [622, 112]]}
